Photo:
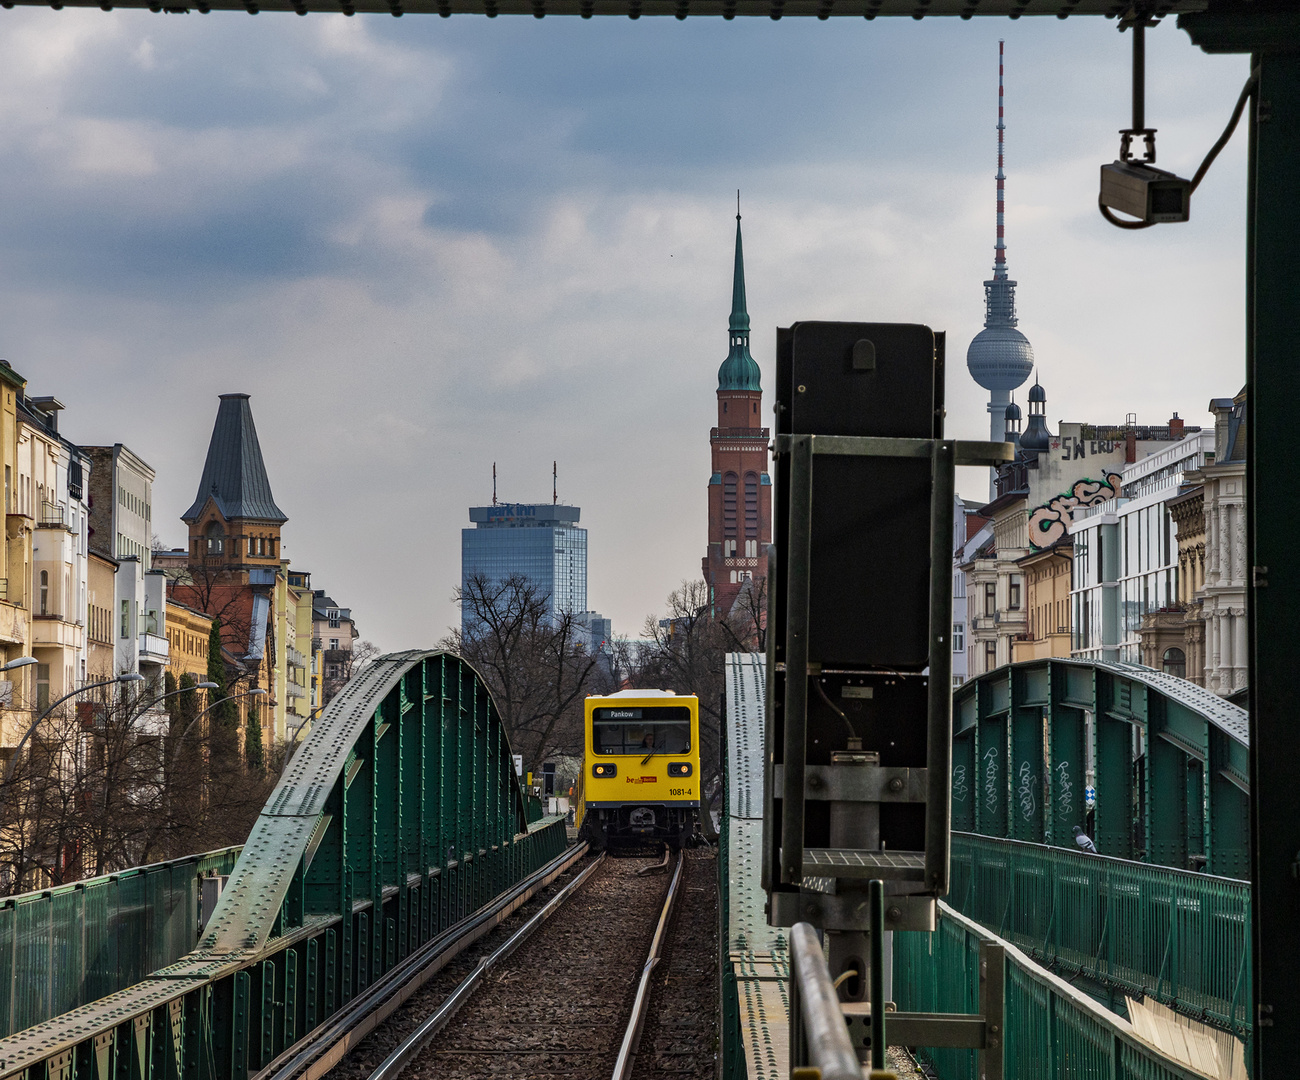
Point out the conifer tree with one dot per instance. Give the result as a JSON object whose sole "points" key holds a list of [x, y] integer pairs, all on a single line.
{"points": [[253, 756], [224, 717]]}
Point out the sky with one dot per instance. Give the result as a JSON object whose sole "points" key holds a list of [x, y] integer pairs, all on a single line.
{"points": [[426, 245]]}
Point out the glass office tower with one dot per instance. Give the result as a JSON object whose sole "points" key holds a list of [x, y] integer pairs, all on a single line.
{"points": [[541, 541]]}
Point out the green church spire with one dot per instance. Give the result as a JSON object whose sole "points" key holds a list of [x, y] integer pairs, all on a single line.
{"points": [[739, 370]]}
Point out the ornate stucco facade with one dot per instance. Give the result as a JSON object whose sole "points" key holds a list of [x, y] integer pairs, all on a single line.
{"points": [[1211, 520]]}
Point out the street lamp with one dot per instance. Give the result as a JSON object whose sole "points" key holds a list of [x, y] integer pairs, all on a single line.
{"points": [[190, 726], [23, 661], [173, 693], [294, 742]]}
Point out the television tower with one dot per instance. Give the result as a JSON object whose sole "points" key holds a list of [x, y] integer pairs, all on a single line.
{"points": [[1000, 357]]}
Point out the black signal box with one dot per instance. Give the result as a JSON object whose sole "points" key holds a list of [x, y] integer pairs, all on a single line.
{"points": [[869, 591]]}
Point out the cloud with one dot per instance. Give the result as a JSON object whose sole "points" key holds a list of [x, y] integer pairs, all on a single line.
{"points": [[428, 245]]}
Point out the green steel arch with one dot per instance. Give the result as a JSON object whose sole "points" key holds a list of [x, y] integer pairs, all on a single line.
{"points": [[1168, 759], [398, 816]]}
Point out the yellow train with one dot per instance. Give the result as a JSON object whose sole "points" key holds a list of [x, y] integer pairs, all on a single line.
{"points": [[641, 770]]}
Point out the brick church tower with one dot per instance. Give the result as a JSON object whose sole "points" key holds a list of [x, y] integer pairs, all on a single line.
{"points": [[740, 489]]}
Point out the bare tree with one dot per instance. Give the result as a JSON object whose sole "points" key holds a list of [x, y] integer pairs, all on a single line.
{"points": [[688, 645], [534, 661], [110, 784]]}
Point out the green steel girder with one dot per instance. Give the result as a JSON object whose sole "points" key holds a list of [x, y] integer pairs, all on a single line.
{"points": [[1169, 760], [398, 816]]}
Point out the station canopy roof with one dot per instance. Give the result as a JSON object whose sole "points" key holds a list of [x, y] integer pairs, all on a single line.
{"points": [[681, 9]]}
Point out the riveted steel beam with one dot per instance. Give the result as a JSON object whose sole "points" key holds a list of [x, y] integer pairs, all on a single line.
{"points": [[399, 815]]}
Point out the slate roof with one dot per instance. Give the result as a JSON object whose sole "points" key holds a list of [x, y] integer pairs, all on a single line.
{"points": [[234, 475]]}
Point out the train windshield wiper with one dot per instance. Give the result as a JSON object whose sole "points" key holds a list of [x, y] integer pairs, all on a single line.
{"points": [[649, 756]]}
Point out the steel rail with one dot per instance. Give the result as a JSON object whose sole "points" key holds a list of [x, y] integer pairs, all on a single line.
{"points": [[632, 1036], [418, 1039], [320, 1050]]}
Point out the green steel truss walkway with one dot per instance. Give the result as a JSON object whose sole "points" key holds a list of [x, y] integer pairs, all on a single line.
{"points": [[1170, 759], [1056, 913], [399, 815]]}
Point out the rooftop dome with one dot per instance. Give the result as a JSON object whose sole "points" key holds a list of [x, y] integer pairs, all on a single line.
{"points": [[1000, 358], [1037, 393], [1013, 412]]}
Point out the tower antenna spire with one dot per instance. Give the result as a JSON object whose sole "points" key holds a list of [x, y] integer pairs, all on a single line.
{"points": [[737, 204], [1000, 247], [494, 483], [555, 484]]}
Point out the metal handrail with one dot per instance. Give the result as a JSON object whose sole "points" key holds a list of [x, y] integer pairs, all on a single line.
{"points": [[818, 1007]]}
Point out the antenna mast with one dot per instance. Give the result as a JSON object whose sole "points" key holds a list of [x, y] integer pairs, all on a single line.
{"points": [[1000, 248], [494, 483], [555, 485]]}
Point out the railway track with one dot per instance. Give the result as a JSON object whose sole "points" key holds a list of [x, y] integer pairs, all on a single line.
{"points": [[581, 997], [321, 1051]]}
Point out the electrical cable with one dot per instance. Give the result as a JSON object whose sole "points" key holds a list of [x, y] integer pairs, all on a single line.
{"points": [[1252, 84], [817, 684]]}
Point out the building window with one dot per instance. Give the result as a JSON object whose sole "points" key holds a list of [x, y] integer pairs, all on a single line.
{"points": [[126, 618], [729, 504], [42, 686], [45, 592], [1013, 593], [216, 537], [334, 643], [990, 655], [250, 545], [990, 598], [1174, 663], [958, 637], [751, 504]]}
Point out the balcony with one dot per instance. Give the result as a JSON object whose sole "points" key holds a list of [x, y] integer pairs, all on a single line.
{"points": [[51, 516], [295, 657], [294, 690], [54, 629], [13, 624], [154, 649]]}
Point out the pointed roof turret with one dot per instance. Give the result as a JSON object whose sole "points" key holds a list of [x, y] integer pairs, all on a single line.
{"points": [[739, 371], [234, 475]]}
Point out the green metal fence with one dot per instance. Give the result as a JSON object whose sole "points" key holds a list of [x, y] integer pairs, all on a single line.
{"points": [[1179, 937], [66, 946], [400, 815], [1051, 1028]]}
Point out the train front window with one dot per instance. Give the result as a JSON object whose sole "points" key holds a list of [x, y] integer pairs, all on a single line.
{"points": [[663, 729]]}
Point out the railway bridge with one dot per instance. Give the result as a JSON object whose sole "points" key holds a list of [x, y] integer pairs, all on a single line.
{"points": [[399, 834], [399, 828]]}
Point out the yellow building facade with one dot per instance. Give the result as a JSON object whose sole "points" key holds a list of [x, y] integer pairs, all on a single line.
{"points": [[187, 639], [17, 688], [1046, 576]]}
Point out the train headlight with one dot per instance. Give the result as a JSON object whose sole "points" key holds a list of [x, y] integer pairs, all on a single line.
{"points": [[679, 768], [605, 770]]}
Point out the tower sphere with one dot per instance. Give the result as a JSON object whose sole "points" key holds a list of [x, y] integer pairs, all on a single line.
{"points": [[1000, 358]]}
